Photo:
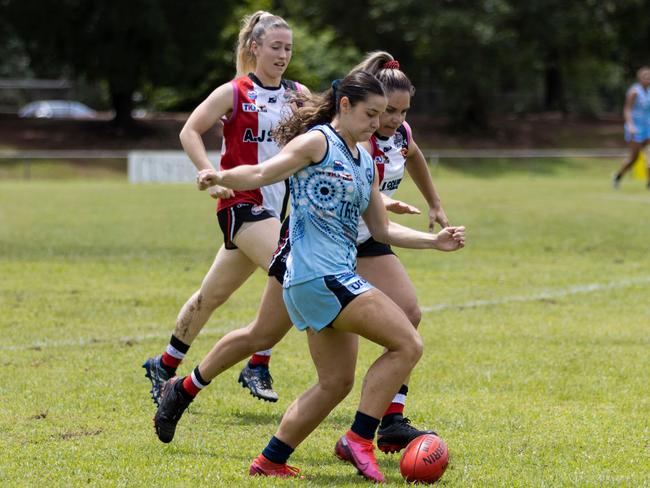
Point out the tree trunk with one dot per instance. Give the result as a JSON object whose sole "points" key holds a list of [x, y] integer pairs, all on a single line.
{"points": [[475, 116], [554, 98], [122, 100]]}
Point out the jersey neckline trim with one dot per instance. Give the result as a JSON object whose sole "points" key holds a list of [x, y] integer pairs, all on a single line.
{"points": [[257, 81], [357, 160]]}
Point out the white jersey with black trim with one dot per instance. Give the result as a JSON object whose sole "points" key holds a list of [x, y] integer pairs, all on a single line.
{"points": [[389, 155]]}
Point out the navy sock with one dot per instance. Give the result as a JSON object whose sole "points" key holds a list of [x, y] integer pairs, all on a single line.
{"points": [[277, 451], [364, 425]]}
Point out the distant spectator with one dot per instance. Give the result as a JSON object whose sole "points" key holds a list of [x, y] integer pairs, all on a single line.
{"points": [[637, 121]]}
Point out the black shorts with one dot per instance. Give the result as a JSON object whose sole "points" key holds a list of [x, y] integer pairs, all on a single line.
{"points": [[279, 260], [372, 247], [278, 264], [232, 218]]}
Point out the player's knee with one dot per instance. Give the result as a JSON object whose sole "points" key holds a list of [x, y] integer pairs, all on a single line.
{"points": [[260, 342], [211, 298], [413, 348], [337, 386], [414, 314], [265, 334]]}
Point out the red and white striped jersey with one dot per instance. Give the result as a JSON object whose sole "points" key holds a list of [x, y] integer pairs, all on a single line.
{"points": [[389, 155], [247, 138]]}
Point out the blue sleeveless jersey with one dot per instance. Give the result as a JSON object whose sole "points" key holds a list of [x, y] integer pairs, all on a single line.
{"points": [[327, 199], [641, 108]]}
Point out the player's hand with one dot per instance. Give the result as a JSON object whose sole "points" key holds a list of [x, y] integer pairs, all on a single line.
{"points": [[399, 207], [451, 239], [222, 192], [437, 214], [631, 128], [206, 178]]}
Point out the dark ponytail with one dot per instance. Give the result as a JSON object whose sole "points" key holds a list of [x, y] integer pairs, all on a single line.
{"points": [[321, 108], [386, 68]]}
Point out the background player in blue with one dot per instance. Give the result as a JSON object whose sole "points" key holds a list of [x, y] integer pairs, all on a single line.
{"points": [[637, 121], [333, 182]]}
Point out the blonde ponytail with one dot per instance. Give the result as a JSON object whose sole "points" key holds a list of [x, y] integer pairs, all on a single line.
{"points": [[254, 28]]}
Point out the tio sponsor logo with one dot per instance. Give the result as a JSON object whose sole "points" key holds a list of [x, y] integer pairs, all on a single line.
{"points": [[251, 107]]}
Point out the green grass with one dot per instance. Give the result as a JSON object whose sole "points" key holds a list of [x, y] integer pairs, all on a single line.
{"points": [[531, 380], [62, 169]]}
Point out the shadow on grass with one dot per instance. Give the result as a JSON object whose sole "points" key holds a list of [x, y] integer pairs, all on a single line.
{"points": [[496, 167], [255, 418], [346, 473]]}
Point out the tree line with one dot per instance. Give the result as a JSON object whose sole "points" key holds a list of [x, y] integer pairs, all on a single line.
{"points": [[469, 59]]}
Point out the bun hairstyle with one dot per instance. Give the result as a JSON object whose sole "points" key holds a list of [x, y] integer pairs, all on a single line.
{"points": [[254, 28], [321, 108], [386, 68]]}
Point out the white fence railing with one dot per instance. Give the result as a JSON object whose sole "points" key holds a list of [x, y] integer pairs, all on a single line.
{"points": [[176, 167]]}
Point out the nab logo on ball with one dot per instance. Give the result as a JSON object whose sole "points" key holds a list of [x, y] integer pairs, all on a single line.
{"points": [[425, 459]]}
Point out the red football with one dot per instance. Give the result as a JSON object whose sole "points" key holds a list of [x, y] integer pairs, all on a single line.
{"points": [[425, 459]]}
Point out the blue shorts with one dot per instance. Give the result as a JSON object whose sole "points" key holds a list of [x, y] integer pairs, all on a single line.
{"points": [[642, 133], [317, 303]]}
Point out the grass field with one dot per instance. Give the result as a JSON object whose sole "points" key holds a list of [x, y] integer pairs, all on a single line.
{"points": [[537, 335]]}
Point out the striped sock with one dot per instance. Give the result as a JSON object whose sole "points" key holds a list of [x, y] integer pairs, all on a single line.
{"points": [[194, 383], [174, 355], [260, 358], [395, 410]]}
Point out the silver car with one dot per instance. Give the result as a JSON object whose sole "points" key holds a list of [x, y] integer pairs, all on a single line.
{"points": [[57, 109]]}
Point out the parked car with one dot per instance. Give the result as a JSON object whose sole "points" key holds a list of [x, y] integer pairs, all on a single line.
{"points": [[57, 109]]}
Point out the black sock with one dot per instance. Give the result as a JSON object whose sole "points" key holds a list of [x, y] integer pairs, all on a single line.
{"points": [[277, 451], [364, 425]]}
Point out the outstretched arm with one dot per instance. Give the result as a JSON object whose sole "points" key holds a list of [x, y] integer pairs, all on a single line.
{"points": [[297, 154], [416, 165], [202, 119], [383, 230], [398, 206]]}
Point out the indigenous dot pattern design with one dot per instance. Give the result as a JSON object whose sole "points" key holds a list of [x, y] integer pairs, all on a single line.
{"points": [[327, 200]]}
